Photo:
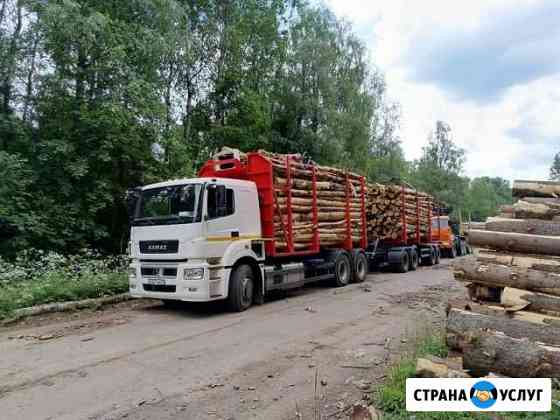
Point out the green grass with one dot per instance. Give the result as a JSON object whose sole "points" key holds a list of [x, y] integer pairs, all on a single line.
{"points": [[59, 287], [390, 396]]}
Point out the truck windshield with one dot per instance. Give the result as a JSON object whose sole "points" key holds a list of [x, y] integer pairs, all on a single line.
{"points": [[169, 205], [443, 223]]}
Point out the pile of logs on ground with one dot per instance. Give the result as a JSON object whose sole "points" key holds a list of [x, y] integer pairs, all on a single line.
{"points": [[511, 323], [332, 191], [385, 212]]}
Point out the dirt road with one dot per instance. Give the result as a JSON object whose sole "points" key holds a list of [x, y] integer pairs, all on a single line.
{"points": [[144, 361]]}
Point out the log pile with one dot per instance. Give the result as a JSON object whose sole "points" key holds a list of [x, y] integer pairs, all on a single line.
{"points": [[386, 206], [511, 323], [338, 193]]}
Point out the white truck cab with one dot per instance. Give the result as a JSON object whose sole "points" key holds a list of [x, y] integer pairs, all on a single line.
{"points": [[188, 234]]}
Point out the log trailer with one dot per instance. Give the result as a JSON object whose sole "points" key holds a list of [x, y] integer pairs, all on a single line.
{"points": [[415, 246], [216, 237]]}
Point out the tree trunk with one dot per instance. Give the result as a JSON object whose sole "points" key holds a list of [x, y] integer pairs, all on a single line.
{"points": [[536, 189], [532, 226], [513, 312], [475, 225], [10, 61], [187, 117], [29, 81], [517, 242], [435, 367], [552, 202], [512, 298], [485, 352], [3, 11], [496, 275], [525, 210], [537, 262], [465, 323]]}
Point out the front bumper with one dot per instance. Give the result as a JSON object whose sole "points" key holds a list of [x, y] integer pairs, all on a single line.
{"points": [[143, 283]]}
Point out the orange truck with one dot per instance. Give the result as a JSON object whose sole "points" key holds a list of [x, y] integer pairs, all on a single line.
{"points": [[451, 242]]}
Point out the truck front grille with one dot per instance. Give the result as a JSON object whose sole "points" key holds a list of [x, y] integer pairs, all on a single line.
{"points": [[156, 271], [159, 288]]}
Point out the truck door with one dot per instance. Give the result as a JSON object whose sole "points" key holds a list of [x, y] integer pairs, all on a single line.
{"points": [[220, 206]]}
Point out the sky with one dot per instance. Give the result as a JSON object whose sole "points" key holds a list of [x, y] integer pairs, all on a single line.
{"points": [[489, 68]]}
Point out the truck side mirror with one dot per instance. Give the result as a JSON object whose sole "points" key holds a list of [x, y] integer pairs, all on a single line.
{"points": [[132, 197]]}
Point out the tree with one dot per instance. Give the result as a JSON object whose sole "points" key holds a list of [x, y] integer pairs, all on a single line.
{"points": [[100, 96], [485, 195], [555, 168], [441, 152], [439, 170]]}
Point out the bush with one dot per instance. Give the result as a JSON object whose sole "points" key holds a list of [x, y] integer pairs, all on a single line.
{"points": [[37, 277]]}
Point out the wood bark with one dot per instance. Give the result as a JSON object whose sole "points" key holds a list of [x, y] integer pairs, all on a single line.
{"points": [[435, 367], [517, 242], [523, 188], [526, 210], [536, 262], [531, 226], [475, 225], [512, 299], [322, 194], [513, 313], [496, 275], [490, 351], [465, 322], [551, 202]]}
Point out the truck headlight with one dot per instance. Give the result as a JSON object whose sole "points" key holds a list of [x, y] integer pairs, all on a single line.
{"points": [[193, 274]]}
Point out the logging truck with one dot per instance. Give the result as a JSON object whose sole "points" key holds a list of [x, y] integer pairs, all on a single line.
{"points": [[253, 223]]}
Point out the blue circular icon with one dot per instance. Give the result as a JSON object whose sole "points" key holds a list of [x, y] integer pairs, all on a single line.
{"points": [[483, 394]]}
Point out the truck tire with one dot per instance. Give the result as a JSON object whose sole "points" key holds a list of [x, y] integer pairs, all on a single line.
{"points": [[431, 259], [360, 266], [241, 288], [413, 260], [342, 269], [453, 252], [402, 265]]}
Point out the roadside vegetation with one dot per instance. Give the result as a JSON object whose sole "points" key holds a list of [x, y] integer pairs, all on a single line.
{"points": [[391, 395], [36, 277], [99, 96]]}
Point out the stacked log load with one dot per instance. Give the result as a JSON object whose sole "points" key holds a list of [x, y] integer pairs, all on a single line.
{"points": [[511, 325], [333, 187], [385, 208]]}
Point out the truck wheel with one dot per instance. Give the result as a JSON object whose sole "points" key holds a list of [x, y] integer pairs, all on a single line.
{"points": [[241, 285], [413, 260], [431, 259], [452, 252], [342, 270], [402, 266], [360, 266]]}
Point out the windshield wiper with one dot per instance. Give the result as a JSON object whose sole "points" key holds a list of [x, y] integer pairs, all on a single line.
{"points": [[162, 220]]}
